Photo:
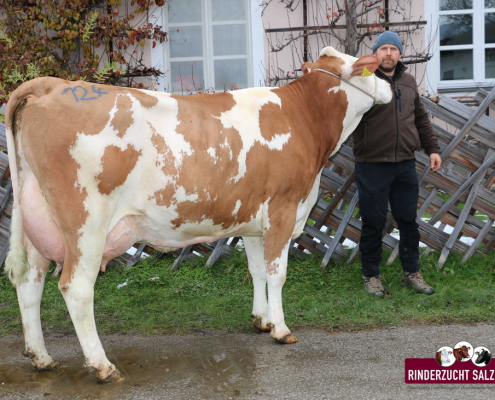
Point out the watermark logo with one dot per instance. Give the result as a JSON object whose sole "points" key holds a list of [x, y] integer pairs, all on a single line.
{"points": [[460, 364], [482, 356]]}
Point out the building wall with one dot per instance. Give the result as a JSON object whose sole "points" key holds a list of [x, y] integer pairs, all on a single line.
{"points": [[287, 61]]}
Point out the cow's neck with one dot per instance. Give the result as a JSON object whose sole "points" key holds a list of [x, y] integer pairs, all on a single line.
{"points": [[317, 112]]}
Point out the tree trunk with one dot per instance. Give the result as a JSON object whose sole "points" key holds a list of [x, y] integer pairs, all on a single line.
{"points": [[351, 40]]}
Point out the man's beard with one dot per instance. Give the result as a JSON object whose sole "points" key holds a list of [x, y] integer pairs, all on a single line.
{"points": [[387, 69]]}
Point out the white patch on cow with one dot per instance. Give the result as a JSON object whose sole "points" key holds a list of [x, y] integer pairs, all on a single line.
{"points": [[262, 217], [181, 195], [359, 102], [114, 110], [225, 145], [278, 141], [281, 262], [304, 207], [346, 70], [213, 154], [244, 117], [329, 52], [334, 89], [168, 110], [236, 208]]}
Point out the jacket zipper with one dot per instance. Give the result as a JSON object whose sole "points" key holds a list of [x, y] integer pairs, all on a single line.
{"points": [[397, 98]]}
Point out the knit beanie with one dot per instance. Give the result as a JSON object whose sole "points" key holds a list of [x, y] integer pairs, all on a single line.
{"points": [[388, 37]]}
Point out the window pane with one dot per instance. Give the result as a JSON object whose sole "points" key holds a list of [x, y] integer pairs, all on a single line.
{"points": [[456, 64], [230, 74], [186, 76], [186, 41], [490, 28], [489, 63], [456, 5], [184, 11], [489, 3], [229, 10], [456, 29], [229, 40]]}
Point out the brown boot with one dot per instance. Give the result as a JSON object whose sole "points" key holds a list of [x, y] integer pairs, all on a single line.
{"points": [[417, 282], [374, 286]]}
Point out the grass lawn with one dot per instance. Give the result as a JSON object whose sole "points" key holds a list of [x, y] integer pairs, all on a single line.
{"points": [[220, 298]]}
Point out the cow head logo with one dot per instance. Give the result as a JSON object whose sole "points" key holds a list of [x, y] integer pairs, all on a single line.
{"points": [[481, 356], [445, 356], [463, 351]]}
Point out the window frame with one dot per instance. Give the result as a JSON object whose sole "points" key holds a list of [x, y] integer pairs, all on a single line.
{"points": [[160, 55], [434, 83]]}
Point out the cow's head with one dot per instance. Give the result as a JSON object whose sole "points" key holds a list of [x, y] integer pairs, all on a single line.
{"points": [[445, 355], [482, 356], [465, 351], [335, 72], [361, 83]]}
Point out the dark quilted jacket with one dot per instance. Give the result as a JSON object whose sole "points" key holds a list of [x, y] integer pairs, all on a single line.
{"points": [[392, 132]]}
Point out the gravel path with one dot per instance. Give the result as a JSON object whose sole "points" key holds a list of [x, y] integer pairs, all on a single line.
{"points": [[357, 365]]}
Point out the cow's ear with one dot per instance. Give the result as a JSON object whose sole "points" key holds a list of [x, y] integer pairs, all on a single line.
{"points": [[365, 66], [307, 67]]}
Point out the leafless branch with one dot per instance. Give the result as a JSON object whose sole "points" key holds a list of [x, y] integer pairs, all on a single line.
{"points": [[366, 11], [358, 19], [276, 49]]}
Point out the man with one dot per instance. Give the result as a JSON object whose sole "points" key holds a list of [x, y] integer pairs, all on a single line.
{"points": [[384, 145]]}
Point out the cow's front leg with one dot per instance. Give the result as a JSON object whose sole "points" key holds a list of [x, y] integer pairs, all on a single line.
{"points": [[77, 287], [257, 268], [276, 273], [277, 234], [29, 297]]}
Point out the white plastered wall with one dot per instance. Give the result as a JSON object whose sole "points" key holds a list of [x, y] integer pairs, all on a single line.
{"points": [[286, 61]]}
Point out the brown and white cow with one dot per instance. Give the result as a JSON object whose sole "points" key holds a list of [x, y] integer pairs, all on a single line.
{"points": [[97, 168], [461, 353]]}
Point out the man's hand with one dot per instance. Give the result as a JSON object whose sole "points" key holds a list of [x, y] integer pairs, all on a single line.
{"points": [[435, 162]]}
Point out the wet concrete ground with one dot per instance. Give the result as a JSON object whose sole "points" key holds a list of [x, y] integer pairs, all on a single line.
{"points": [[361, 365]]}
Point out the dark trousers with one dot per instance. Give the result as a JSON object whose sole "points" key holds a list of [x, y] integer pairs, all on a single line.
{"points": [[378, 184]]}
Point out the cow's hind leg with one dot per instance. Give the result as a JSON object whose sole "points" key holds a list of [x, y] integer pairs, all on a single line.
{"points": [[29, 296], [257, 268], [77, 286]]}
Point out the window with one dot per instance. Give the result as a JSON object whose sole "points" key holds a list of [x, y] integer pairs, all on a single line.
{"points": [[465, 56], [208, 46]]}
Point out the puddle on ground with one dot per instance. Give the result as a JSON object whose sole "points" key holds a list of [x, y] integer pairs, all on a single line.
{"points": [[216, 371]]}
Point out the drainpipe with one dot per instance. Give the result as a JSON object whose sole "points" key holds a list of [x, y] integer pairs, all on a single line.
{"points": [[305, 24], [387, 19]]}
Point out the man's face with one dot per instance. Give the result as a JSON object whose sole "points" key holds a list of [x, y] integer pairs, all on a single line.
{"points": [[388, 57]]}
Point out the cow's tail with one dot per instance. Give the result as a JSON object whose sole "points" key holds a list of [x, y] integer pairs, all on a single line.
{"points": [[16, 263]]}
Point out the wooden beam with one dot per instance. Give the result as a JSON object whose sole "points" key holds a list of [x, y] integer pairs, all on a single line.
{"points": [[330, 27]]}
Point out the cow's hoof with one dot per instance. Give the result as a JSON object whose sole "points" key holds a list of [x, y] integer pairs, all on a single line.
{"points": [[114, 377], [53, 366], [38, 365], [258, 324], [287, 339]]}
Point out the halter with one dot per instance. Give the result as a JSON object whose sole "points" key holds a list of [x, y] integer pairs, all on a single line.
{"points": [[352, 84]]}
